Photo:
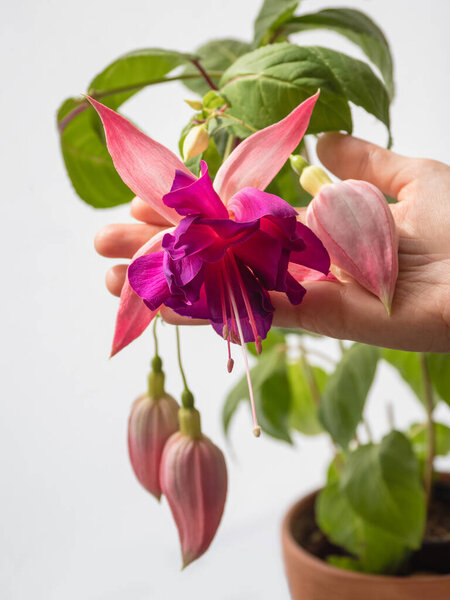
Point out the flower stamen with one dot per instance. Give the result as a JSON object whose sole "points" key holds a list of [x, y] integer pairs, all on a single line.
{"points": [[256, 427]]}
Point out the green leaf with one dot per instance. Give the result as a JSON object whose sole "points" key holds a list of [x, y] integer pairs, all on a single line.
{"points": [[273, 405], [377, 551], [355, 26], [263, 86], [344, 562], [439, 370], [272, 15], [418, 434], [382, 483], [286, 185], [272, 361], [409, 369], [86, 157], [215, 57], [305, 407], [346, 391]]}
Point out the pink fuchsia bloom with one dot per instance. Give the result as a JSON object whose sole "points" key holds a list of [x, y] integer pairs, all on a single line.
{"points": [[230, 233], [355, 223], [194, 480], [153, 419]]}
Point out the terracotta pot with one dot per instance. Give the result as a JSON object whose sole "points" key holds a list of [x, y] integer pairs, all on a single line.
{"points": [[311, 578]]}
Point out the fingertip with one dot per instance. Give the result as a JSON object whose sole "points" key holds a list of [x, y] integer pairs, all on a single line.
{"points": [[104, 240], [142, 211], [115, 278]]}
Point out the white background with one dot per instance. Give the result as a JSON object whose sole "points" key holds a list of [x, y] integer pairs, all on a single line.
{"points": [[74, 523]]}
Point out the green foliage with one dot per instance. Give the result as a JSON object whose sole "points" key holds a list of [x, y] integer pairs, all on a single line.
{"points": [[439, 370], [377, 551], [408, 366], [383, 486], [286, 185], [306, 384], [272, 15], [346, 391], [355, 26], [271, 362], [418, 435], [86, 157], [215, 57], [263, 86], [273, 405]]}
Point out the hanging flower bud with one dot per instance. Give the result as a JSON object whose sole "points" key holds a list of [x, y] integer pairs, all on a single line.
{"points": [[153, 419], [194, 480], [195, 142], [355, 224]]}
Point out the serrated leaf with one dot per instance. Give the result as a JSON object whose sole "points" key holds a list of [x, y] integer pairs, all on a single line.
{"points": [[215, 57], [268, 363], [272, 15], [355, 26], [382, 483], [304, 415], [439, 371], [273, 405], [263, 86], [87, 160], [377, 551], [345, 393]]}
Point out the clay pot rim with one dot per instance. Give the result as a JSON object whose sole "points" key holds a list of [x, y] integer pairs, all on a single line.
{"points": [[318, 564]]}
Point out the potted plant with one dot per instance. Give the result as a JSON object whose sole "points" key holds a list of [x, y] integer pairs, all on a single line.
{"points": [[367, 530]]}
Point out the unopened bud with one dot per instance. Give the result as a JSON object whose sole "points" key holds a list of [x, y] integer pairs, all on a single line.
{"points": [[313, 179], [152, 421], [298, 163], [195, 142], [195, 104], [194, 481], [355, 224]]}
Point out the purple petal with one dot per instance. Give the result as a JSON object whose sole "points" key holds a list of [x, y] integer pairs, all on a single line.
{"points": [[147, 278], [251, 204], [182, 180], [294, 291], [263, 254], [314, 255], [197, 197]]}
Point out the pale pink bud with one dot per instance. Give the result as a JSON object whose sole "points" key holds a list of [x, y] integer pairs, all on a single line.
{"points": [[194, 480], [355, 224], [153, 419]]}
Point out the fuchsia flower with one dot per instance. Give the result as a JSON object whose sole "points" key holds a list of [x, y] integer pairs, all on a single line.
{"points": [[232, 242]]}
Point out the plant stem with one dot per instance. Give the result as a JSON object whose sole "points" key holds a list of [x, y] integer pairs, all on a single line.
{"points": [[205, 75], [229, 146], [100, 94], [312, 384], [243, 123], [155, 337], [431, 442], [187, 398], [305, 152], [341, 346]]}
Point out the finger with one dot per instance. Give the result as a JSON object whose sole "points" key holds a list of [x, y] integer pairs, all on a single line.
{"points": [[171, 317], [351, 158], [347, 311], [142, 211], [115, 278], [123, 240]]}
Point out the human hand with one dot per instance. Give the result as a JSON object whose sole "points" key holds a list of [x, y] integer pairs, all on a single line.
{"points": [[420, 319]]}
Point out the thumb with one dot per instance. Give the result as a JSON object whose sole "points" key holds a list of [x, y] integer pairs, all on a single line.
{"points": [[352, 158]]}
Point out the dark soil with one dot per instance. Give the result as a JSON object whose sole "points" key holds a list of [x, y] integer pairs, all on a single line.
{"points": [[432, 557]]}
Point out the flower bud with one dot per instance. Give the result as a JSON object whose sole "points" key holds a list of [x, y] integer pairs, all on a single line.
{"points": [[153, 419], [194, 480], [355, 224], [195, 142]]}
